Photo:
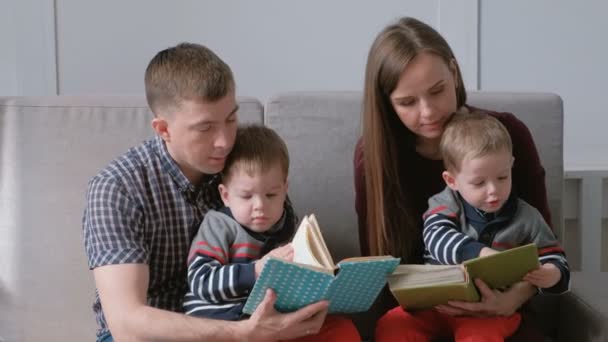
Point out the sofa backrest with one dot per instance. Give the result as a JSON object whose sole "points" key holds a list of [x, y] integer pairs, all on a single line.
{"points": [[543, 113], [321, 129], [50, 147]]}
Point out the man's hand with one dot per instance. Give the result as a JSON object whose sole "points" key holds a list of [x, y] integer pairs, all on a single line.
{"points": [[266, 324], [493, 302], [547, 275], [284, 252]]}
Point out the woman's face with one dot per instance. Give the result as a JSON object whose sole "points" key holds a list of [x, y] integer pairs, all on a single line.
{"points": [[425, 95]]}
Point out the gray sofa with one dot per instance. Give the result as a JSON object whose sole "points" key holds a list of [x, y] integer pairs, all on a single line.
{"points": [[51, 146]]}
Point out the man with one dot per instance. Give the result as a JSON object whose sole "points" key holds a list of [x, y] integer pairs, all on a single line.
{"points": [[144, 208]]}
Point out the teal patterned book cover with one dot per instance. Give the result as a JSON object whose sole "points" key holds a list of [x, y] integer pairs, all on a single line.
{"points": [[353, 288]]}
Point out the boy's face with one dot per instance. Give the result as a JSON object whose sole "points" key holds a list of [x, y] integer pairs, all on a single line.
{"points": [[199, 135], [256, 201], [484, 182]]}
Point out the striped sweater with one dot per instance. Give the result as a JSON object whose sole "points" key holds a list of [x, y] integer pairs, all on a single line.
{"points": [[220, 263], [454, 231]]}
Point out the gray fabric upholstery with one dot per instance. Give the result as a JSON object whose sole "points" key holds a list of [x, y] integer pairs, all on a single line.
{"points": [[49, 149], [51, 146], [543, 114], [320, 130], [583, 313]]}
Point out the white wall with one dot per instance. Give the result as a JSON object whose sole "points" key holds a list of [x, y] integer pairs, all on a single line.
{"points": [[558, 46], [27, 35], [271, 45], [102, 47], [8, 59]]}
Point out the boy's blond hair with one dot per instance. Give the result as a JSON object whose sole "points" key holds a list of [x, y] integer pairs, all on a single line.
{"points": [[256, 150], [472, 135], [185, 72]]}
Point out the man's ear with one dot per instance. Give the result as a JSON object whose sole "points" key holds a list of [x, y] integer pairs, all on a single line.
{"points": [[224, 194], [449, 180], [161, 127]]}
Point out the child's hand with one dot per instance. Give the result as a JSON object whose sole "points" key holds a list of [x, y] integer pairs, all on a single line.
{"points": [[545, 276], [487, 251], [284, 252]]}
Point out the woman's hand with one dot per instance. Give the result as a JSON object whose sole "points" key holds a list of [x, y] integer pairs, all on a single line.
{"points": [[493, 302]]}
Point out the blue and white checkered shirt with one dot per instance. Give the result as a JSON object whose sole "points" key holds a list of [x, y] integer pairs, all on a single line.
{"points": [[142, 209]]}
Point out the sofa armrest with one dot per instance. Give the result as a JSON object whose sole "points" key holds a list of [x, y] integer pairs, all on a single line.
{"points": [[583, 313]]}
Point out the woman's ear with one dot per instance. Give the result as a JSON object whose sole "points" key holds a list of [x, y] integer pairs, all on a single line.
{"points": [[453, 66], [450, 180]]}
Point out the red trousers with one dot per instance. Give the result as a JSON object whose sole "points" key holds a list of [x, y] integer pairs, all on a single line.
{"points": [[398, 325], [335, 328]]}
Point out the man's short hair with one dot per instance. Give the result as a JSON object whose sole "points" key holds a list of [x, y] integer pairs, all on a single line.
{"points": [[472, 135], [186, 72]]}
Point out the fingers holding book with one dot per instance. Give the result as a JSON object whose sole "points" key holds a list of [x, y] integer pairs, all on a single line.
{"points": [[285, 326], [491, 304], [284, 252]]}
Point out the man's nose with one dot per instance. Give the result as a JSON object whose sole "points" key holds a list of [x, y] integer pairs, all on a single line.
{"points": [[221, 138]]}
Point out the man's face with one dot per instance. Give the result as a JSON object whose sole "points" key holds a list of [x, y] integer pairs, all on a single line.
{"points": [[199, 135]]}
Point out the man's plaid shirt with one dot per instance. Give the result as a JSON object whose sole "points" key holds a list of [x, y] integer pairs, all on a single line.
{"points": [[142, 209]]}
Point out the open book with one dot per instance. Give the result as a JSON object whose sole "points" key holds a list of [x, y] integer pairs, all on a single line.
{"points": [[351, 286], [425, 286]]}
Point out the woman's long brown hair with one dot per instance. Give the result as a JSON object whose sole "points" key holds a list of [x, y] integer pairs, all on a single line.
{"points": [[392, 223]]}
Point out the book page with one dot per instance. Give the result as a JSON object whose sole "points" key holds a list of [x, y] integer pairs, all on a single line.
{"points": [[409, 276], [366, 258], [302, 251], [318, 246]]}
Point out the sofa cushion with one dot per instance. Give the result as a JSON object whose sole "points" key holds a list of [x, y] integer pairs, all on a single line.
{"points": [[321, 129], [543, 114], [49, 149]]}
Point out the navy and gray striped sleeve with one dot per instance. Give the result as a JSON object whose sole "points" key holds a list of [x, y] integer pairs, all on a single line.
{"points": [[210, 275], [445, 242], [113, 225]]}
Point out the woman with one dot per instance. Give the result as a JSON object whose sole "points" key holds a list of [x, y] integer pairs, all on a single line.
{"points": [[412, 86]]}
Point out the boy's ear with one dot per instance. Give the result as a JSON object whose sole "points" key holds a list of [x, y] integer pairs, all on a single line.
{"points": [[224, 194], [160, 126], [449, 180]]}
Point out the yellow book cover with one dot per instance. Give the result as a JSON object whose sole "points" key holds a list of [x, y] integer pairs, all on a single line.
{"points": [[425, 286]]}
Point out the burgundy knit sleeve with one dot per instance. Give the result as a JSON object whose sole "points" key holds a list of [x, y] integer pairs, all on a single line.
{"points": [[361, 198], [528, 173]]}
